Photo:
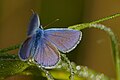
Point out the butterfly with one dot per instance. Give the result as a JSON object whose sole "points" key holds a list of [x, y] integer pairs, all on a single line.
{"points": [[43, 46]]}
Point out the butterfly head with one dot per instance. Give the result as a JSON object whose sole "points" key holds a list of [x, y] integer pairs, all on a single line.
{"points": [[40, 27]]}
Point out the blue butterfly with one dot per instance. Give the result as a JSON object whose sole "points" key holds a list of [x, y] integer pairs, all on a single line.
{"points": [[41, 46]]}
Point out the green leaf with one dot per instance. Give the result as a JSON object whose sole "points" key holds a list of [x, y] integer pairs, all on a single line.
{"points": [[11, 67]]}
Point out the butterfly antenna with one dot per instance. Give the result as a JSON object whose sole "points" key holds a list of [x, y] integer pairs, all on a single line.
{"points": [[32, 11], [51, 22]]}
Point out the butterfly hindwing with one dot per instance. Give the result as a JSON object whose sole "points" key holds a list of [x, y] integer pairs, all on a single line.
{"points": [[63, 38], [46, 54], [25, 50]]}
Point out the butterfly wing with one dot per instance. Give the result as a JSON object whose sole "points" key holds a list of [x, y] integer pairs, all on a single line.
{"points": [[25, 49], [63, 38], [46, 54], [34, 24]]}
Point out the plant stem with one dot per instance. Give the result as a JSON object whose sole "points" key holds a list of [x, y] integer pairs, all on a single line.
{"points": [[110, 33], [9, 48], [114, 43], [70, 66]]}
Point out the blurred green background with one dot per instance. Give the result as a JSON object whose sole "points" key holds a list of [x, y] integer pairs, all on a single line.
{"points": [[94, 50]]}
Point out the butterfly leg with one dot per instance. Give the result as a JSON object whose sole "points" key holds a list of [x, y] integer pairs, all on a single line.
{"points": [[71, 77]]}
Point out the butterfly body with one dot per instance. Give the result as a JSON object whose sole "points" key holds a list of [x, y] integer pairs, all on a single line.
{"points": [[36, 39], [43, 46]]}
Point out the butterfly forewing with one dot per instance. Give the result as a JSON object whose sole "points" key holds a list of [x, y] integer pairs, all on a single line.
{"points": [[46, 54], [64, 39], [34, 24]]}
